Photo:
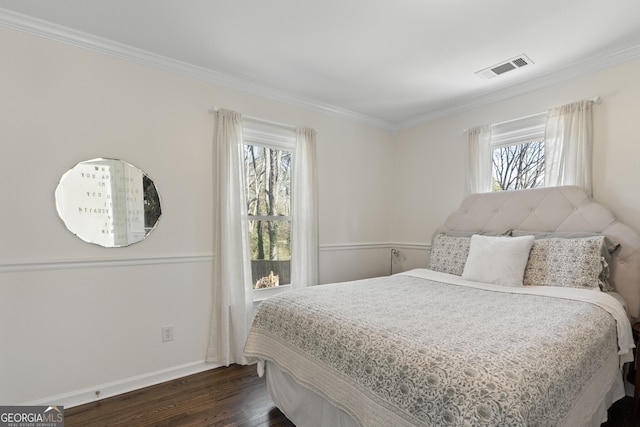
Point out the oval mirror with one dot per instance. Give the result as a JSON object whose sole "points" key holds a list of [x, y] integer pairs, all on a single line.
{"points": [[108, 202]]}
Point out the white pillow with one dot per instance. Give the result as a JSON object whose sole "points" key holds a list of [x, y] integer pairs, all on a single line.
{"points": [[498, 260]]}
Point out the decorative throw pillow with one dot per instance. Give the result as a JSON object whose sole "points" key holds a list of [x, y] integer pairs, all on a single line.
{"points": [[572, 263], [449, 254], [498, 260], [607, 248]]}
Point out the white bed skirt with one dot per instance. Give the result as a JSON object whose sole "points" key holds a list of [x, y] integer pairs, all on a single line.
{"points": [[303, 407], [306, 408]]}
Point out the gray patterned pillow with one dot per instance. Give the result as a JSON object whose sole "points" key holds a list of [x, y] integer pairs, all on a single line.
{"points": [[608, 247], [449, 254], [572, 263]]}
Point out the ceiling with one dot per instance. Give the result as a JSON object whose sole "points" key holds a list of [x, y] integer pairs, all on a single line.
{"points": [[389, 63]]}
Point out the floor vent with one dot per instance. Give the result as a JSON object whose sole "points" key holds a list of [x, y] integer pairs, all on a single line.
{"points": [[512, 64]]}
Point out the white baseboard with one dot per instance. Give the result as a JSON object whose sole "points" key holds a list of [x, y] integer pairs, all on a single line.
{"points": [[87, 395]]}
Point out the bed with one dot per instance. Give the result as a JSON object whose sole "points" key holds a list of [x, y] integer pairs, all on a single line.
{"points": [[463, 342]]}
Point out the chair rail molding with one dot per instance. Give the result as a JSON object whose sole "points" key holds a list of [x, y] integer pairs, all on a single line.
{"points": [[39, 265]]}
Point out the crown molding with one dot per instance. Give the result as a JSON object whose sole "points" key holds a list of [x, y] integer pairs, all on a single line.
{"points": [[559, 75], [49, 30]]}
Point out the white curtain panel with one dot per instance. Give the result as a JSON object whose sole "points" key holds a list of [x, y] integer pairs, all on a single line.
{"points": [[479, 160], [569, 145], [232, 284], [304, 211]]}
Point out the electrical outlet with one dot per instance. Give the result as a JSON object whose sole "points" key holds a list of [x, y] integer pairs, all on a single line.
{"points": [[167, 333]]}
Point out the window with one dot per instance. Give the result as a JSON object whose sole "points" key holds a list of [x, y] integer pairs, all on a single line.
{"points": [[547, 149], [517, 154], [267, 165]]}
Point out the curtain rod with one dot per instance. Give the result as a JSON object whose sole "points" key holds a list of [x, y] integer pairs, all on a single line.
{"points": [[258, 120], [594, 100]]}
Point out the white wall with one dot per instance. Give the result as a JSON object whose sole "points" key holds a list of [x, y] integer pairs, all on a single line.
{"points": [[75, 317], [430, 159]]}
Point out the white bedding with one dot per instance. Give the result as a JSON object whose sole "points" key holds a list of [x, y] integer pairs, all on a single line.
{"points": [[413, 362], [606, 300]]}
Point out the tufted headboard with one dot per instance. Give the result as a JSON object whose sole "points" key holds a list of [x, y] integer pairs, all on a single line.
{"points": [[555, 209]]}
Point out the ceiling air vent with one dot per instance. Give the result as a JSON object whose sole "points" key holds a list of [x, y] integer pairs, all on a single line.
{"points": [[512, 64]]}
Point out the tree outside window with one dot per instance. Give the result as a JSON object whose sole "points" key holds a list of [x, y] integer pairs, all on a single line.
{"points": [[517, 153], [268, 187], [518, 166]]}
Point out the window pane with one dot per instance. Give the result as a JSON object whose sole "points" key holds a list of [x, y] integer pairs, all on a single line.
{"points": [[270, 239], [518, 166], [270, 243], [268, 184], [268, 180]]}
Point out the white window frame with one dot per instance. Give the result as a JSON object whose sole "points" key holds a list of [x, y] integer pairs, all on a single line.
{"points": [[515, 132], [277, 137]]}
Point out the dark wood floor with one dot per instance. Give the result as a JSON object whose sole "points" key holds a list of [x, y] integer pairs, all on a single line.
{"points": [[620, 414], [233, 396]]}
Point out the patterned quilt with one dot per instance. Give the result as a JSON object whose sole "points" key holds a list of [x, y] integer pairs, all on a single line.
{"points": [[406, 350]]}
